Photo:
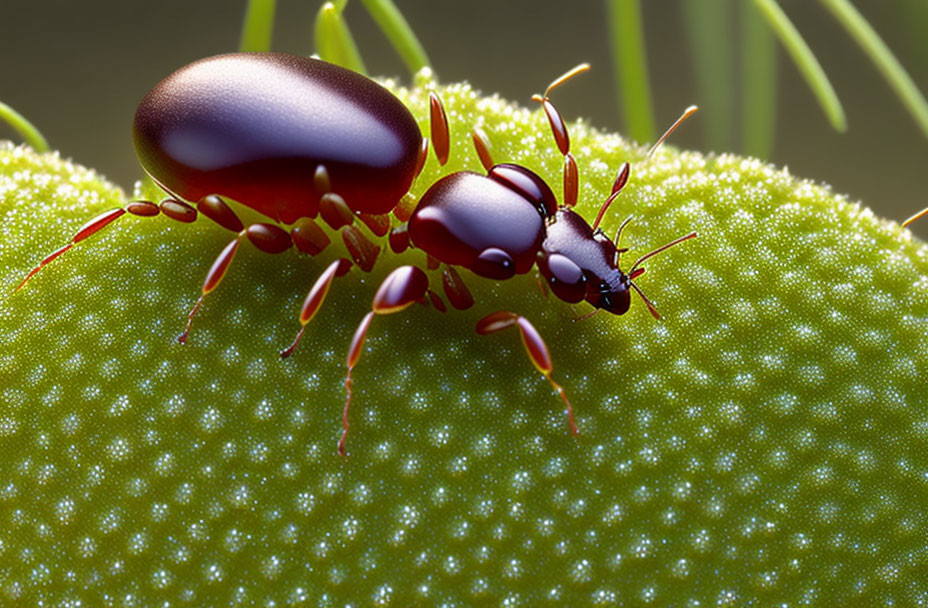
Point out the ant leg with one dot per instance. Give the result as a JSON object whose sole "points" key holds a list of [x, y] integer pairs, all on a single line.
{"points": [[362, 250], [266, 237], [86, 230], [399, 238], [482, 146], [137, 208], [621, 179], [534, 346], [455, 289], [335, 212], [308, 237], [402, 288], [315, 297], [211, 206], [561, 137], [438, 123], [378, 224], [423, 154], [332, 208], [406, 205]]}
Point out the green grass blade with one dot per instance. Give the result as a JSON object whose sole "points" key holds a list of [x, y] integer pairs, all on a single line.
{"points": [[334, 42], [808, 65], [708, 27], [758, 84], [630, 67], [258, 28], [883, 58], [25, 128], [397, 30]]}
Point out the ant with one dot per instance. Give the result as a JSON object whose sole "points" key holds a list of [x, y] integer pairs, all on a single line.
{"points": [[296, 138]]}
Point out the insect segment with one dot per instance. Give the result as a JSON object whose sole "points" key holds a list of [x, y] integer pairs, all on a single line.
{"points": [[498, 225], [293, 138]]}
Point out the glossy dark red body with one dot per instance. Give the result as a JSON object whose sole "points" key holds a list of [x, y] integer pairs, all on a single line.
{"points": [[254, 127], [501, 224], [293, 138], [467, 219]]}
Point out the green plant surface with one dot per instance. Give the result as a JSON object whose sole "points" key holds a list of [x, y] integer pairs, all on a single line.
{"points": [[764, 444]]}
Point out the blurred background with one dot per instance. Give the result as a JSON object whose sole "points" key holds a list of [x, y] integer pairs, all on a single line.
{"points": [[77, 70]]}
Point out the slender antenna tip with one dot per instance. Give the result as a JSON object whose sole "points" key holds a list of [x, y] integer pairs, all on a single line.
{"points": [[917, 216]]}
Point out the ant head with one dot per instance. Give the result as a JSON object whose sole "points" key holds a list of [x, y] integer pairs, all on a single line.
{"points": [[615, 298]]}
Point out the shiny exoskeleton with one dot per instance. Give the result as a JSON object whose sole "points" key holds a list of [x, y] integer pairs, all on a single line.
{"points": [[296, 139], [503, 223]]}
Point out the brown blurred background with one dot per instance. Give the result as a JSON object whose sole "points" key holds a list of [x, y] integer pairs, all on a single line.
{"points": [[78, 69]]}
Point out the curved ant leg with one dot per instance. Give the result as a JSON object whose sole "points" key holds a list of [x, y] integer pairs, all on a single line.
{"points": [[438, 124], [315, 297], [335, 212], [210, 206], [455, 289], [402, 288], [482, 146], [266, 237], [172, 208], [441, 144], [534, 346], [561, 137], [621, 179]]}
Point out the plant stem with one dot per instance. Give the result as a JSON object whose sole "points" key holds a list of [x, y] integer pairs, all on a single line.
{"points": [[630, 67], [808, 65]]}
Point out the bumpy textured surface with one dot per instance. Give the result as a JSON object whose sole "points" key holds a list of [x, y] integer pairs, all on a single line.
{"points": [[767, 443]]}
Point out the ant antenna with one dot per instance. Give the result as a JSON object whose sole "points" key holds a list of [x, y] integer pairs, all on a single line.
{"points": [[686, 114], [637, 272], [622, 176], [651, 308], [586, 316], [618, 237], [660, 249], [918, 215], [583, 67]]}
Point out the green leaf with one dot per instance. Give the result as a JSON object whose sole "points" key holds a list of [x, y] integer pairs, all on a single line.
{"points": [[629, 65], [404, 40], [25, 128], [334, 42], [883, 58], [709, 27], [808, 65], [258, 27], [762, 445]]}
